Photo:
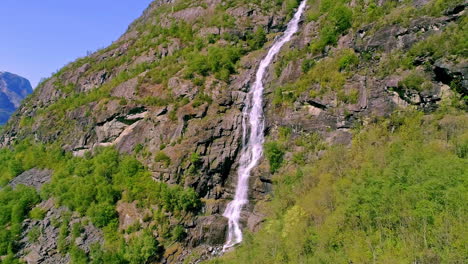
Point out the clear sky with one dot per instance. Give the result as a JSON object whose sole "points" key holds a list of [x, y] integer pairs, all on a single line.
{"points": [[38, 37]]}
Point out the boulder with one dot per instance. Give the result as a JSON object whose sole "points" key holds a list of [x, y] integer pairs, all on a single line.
{"points": [[44, 250]]}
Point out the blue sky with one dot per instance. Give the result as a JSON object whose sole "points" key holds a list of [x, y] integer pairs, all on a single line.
{"points": [[38, 37]]}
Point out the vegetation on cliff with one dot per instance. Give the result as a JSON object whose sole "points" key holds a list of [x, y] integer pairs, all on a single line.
{"points": [[366, 152], [398, 195], [90, 186]]}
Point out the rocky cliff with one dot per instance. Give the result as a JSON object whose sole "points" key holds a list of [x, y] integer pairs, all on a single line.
{"points": [[171, 91], [13, 89]]}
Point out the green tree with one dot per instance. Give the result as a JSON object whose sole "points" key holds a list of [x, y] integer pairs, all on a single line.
{"points": [[102, 214], [274, 152], [258, 39], [142, 248]]}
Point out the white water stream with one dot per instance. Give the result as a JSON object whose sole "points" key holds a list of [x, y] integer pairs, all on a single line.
{"points": [[253, 145]]}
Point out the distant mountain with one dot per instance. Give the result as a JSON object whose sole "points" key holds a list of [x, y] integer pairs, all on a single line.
{"points": [[13, 89]]}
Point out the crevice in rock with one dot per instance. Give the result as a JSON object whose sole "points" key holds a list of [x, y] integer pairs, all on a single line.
{"points": [[441, 75], [126, 121], [110, 118], [317, 104], [137, 110]]}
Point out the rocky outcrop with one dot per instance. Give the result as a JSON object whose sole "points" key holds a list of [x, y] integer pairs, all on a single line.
{"points": [[13, 89], [42, 247], [397, 36], [33, 178], [190, 14], [455, 74], [209, 230]]}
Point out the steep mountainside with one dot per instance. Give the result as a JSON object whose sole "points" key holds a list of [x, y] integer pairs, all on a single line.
{"points": [[130, 154], [13, 89]]}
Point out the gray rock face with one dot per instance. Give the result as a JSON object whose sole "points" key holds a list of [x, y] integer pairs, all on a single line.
{"points": [[33, 178], [13, 89], [210, 230], [190, 14], [45, 248], [396, 36]]}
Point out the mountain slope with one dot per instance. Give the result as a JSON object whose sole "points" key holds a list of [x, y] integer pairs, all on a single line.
{"points": [[397, 195], [154, 124], [13, 89]]}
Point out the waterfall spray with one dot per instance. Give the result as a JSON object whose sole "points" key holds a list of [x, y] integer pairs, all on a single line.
{"points": [[253, 125]]}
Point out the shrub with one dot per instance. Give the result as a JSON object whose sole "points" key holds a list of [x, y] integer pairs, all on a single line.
{"points": [[16, 168], [10, 259], [187, 200], [78, 256], [138, 148], [284, 133], [195, 162], [201, 99], [219, 61], [102, 214], [349, 97], [77, 229], [162, 157], [26, 121], [257, 39], [5, 238], [37, 213], [97, 254], [290, 5], [173, 115], [178, 233], [62, 242], [327, 36], [195, 158], [34, 234], [199, 81], [274, 153], [341, 17], [307, 64], [142, 248], [338, 20], [347, 60], [412, 81]]}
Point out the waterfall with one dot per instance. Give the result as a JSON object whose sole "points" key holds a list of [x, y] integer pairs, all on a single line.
{"points": [[252, 144]]}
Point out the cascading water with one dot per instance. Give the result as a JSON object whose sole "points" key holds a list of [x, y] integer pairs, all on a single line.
{"points": [[253, 145]]}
